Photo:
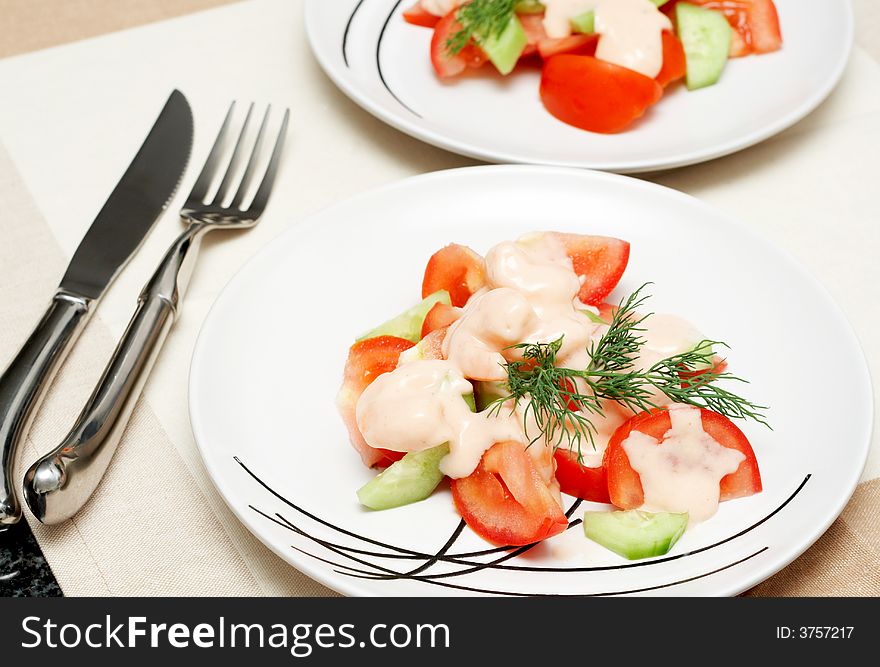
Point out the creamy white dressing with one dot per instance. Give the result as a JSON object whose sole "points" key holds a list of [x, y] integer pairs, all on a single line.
{"points": [[419, 405], [665, 336], [630, 31], [531, 297], [683, 474], [439, 7]]}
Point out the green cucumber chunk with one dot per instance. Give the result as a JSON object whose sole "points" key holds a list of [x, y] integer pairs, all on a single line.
{"points": [[659, 3], [409, 480], [487, 392], [529, 7], [504, 49], [634, 534], [705, 35], [584, 23], [409, 324]]}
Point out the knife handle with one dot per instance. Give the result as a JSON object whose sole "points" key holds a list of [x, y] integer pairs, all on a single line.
{"points": [[60, 483], [24, 383]]}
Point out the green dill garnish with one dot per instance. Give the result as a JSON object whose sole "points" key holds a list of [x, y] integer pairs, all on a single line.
{"points": [[562, 400], [480, 19]]}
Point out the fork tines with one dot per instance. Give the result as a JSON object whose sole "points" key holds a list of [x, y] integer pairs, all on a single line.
{"points": [[226, 197]]}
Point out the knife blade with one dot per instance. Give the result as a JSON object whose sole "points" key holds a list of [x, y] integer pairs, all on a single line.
{"points": [[134, 205]]}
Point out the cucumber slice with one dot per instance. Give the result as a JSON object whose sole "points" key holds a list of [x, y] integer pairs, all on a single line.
{"points": [[504, 49], [409, 324], [529, 7], [409, 480], [635, 534], [584, 23], [486, 393], [659, 3], [705, 35]]}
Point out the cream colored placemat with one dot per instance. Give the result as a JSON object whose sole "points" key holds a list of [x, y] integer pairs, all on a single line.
{"points": [[156, 525]]}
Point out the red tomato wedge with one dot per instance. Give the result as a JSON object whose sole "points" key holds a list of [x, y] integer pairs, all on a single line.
{"points": [[624, 484], [440, 316], [432, 344], [595, 95], [580, 481], [755, 24], [606, 311], [583, 45], [418, 15], [719, 367], [506, 501], [367, 360], [533, 26], [599, 261], [458, 270], [446, 64], [674, 62]]}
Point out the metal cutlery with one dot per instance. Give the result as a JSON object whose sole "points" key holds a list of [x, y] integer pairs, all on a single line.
{"points": [[61, 482], [135, 204]]}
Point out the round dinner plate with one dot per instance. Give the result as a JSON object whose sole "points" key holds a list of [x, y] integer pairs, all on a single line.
{"points": [[383, 64], [270, 357]]}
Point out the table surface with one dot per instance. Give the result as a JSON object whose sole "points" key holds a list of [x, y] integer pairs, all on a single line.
{"points": [[92, 555]]}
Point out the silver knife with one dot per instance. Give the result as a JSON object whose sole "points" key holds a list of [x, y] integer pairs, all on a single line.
{"points": [[141, 195]]}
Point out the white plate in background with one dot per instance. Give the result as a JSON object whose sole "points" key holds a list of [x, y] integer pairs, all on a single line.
{"points": [[383, 64]]}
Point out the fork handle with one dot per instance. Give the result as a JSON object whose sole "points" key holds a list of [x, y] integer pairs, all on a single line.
{"points": [[60, 483]]}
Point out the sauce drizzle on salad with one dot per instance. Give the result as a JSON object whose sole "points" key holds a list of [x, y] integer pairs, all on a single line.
{"points": [[420, 405], [630, 30], [683, 474]]}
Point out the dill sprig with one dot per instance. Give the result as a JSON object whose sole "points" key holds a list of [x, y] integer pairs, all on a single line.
{"points": [[480, 19], [561, 401]]}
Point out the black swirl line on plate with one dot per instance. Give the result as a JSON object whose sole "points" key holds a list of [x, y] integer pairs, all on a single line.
{"points": [[403, 553], [409, 552], [347, 29], [349, 570], [379, 61]]}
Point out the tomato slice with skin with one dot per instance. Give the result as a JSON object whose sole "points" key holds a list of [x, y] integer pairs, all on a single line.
{"points": [[595, 95], [418, 15], [440, 316], [456, 269], [719, 366], [446, 64], [584, 45], [505, 500], [581, 481], [624, 484], [755, 23], [432, 344], [367, 360], [533, 26], [674, 61], [600, 261]]}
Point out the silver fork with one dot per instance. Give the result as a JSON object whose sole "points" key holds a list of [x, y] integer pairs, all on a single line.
{"points": [[61, 482]]}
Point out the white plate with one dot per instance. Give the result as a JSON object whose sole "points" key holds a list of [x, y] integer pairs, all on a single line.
{"points": [[383, 64], [269, 361]]}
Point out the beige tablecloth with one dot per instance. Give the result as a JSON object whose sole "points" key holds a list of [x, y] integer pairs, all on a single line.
{"points": [[156, 526]]}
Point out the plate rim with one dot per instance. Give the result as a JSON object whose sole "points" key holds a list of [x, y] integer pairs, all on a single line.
{"points": [[750, 578], [413, 129]]}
